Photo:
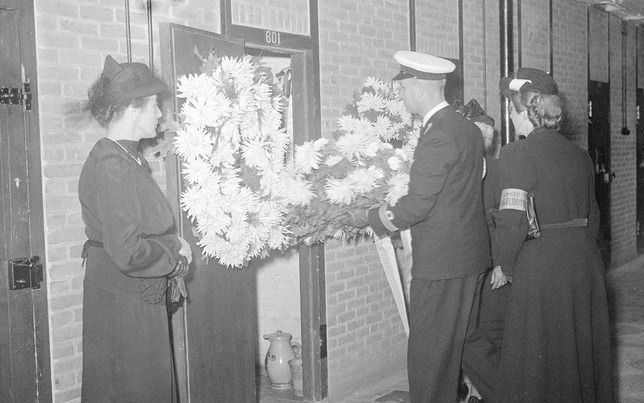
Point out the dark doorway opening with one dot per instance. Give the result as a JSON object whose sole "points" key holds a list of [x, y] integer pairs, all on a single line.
{"points": [[599, 149]]}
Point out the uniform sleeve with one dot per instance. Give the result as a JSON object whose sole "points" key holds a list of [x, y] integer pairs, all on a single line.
{"points": [[434, 157], [491, 194], [515, 172], [135, 253]]}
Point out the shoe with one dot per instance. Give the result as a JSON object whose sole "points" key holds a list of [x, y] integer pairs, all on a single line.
{"points": [[463, 390], [474, 399]]}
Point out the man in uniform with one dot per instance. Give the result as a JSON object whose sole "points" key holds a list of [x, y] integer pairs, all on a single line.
{"points": [[444, 209]]}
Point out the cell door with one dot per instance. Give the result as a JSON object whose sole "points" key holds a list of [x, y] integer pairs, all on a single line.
{"points": [[24, 346], [214, 333], [599, 149]]}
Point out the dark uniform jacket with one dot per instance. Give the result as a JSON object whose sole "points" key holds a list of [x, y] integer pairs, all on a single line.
{"points": [[444, 205], [560, 175]]}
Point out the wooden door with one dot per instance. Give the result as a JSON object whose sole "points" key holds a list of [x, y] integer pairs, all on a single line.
{"points": [[599, 149], [24, 345], [220, 317]]}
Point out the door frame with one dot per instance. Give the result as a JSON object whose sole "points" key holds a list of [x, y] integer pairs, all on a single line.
{"points": [[304, 52], [311, 258], [35, 204]]}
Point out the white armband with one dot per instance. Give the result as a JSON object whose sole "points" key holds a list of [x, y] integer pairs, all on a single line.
{"points": [[513, 199]]}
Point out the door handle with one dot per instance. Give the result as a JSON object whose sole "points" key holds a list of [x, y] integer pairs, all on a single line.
{"points": [[26, 272], [608, 177]]}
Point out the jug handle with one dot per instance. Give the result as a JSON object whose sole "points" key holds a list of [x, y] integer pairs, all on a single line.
{"points": [[297, 349]]}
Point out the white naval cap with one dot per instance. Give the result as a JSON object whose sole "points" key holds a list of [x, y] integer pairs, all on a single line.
{"points": [[422, 66]]}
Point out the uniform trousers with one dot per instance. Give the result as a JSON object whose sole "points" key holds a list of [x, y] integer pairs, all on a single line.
{"points": [[439, 316]]}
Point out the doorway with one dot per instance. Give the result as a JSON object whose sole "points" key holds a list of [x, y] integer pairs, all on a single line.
{"points": [[599, 150], [216, 332], [24, 334]]}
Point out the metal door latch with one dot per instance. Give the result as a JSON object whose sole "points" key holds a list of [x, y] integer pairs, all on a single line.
{"points": [[25, 273], [16, 96]]}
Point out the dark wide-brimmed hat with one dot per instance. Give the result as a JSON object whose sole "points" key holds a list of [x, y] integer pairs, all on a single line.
{"points": [[422, 66], [128, 81], [529, 79]]}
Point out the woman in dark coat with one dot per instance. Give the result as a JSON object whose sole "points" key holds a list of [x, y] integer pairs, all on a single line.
{"points": [[132, 248], [556, 345]]}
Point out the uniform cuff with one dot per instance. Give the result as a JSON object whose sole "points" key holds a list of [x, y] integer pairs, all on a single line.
{"points": [[385, 217]]}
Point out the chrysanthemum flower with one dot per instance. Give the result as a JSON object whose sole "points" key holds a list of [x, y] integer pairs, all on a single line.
{"points": [[398, 187], [370, 101], [192, 142], [339, 191], [195, 85], [196, 171], [354, 145], [364, 180]]}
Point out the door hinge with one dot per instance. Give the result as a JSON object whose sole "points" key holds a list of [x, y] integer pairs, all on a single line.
{"points": [[16, 96], [25, 272]]}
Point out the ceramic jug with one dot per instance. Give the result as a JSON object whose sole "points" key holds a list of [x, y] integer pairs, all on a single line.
{"points": [[280, 352]]}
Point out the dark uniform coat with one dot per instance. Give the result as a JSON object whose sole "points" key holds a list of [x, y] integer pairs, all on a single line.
{"points": [[450, 248], [443, 206], [556, 345], [126, 346]]}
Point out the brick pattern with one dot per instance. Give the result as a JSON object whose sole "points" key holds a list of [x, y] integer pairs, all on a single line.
{"points": [[623, 151], [366, 340], [535, 46], [474, 52], [492, 60], [73, 38], [437, 28], [570, 51], [286, 16], [640, 59], [365, 337], [598, 45]]}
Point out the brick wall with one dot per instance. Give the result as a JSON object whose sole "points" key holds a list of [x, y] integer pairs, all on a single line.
{"points": [[570, 58], [474, 52], [73, 38], [437, 28], [535, 41], [365, 337], [640, 58], [287, 16], [623, 152], [598, 45]]}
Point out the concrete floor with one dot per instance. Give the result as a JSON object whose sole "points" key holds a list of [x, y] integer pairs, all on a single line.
{"points": [[626, 298]]}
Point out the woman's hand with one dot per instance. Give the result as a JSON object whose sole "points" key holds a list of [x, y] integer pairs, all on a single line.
{"points": [[498, 278], [183, 263], [185, 250]]}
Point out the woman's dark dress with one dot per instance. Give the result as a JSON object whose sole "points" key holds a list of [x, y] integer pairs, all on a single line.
{"points": [[556, 345], [126, 346]]}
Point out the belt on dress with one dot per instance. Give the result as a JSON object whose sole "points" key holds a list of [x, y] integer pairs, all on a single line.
{"points": [[575, 222], [86, 245]]}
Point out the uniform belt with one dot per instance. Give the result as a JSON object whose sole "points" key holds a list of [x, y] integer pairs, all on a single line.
{"points": [[575, 222], [86, 245]]}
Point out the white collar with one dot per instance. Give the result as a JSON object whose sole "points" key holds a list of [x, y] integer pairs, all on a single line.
{"points": [[433, 111]]}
